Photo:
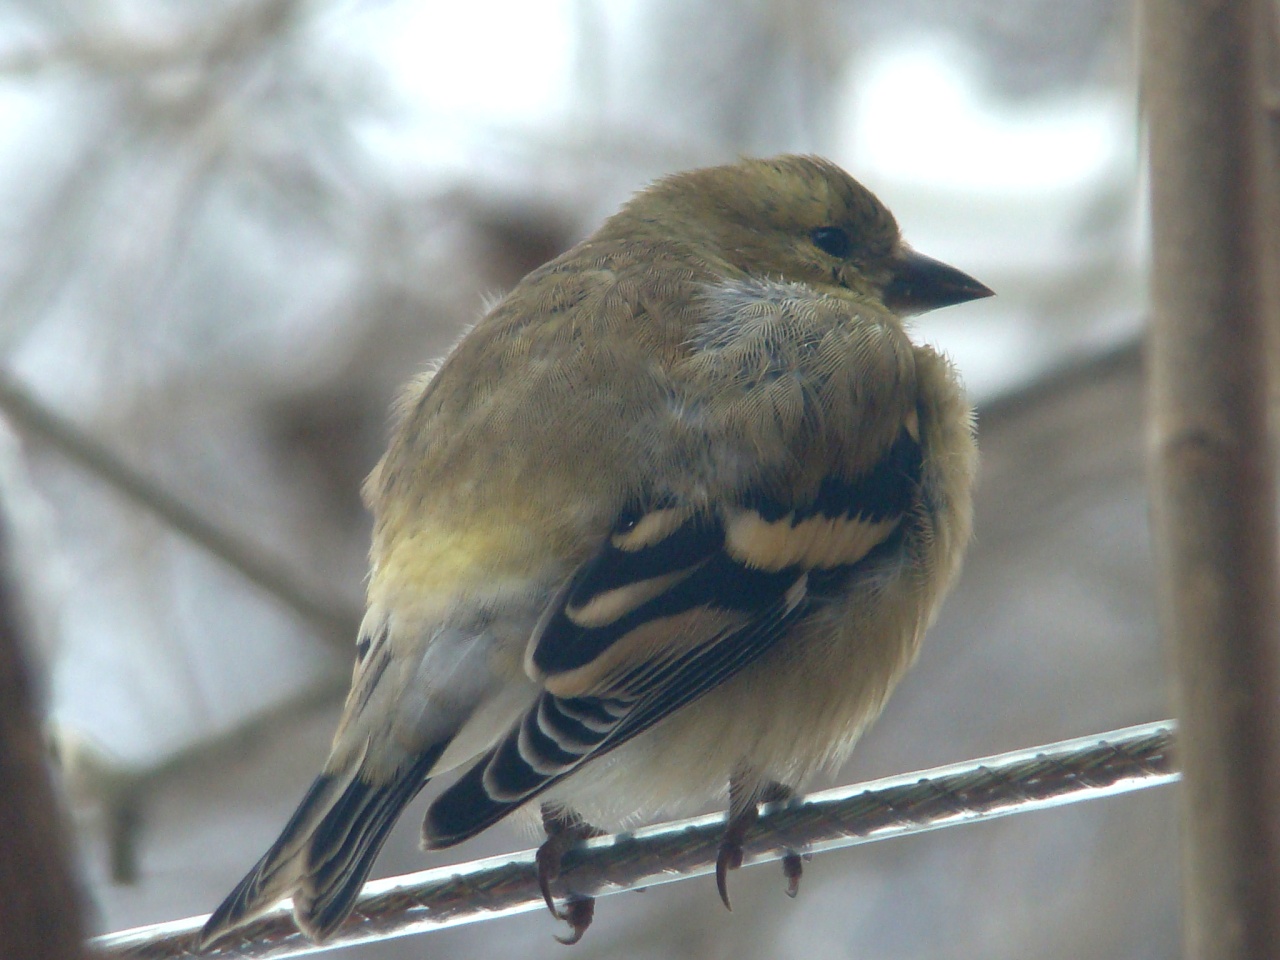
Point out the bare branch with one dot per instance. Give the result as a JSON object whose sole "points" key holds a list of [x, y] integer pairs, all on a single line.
{"points": [[335, 620]]}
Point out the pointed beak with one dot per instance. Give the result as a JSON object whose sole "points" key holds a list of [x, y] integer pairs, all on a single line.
{"points": [[921, 283]]}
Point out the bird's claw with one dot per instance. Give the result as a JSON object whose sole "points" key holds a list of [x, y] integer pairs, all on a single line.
{"points": [[548, 860], [793, 870], [562, 833], [729, 858], [730, 855], [578, 912]]}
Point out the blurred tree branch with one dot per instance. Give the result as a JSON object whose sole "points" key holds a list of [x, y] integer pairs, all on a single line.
{"points": [[336, 621], [39, 896], [123, 792], [242, 27]]}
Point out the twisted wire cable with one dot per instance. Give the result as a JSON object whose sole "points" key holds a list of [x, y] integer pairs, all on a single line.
{"points": [[1032, 779]]}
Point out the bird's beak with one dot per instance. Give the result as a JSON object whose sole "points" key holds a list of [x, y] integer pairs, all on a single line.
{"points": [[920, 283]]}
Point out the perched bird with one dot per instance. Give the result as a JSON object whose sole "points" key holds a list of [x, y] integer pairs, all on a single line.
{"points": [[667, 523]]}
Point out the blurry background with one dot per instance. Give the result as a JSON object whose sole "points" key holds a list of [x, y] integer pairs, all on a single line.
{"points": [[230, 230]]}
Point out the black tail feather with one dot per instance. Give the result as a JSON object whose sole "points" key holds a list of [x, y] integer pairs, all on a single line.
{"points": [[324, 854], [339, 859], [262, 886]]}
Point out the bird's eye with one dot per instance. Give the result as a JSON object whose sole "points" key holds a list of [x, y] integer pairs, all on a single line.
{"points": [[832, 240]]}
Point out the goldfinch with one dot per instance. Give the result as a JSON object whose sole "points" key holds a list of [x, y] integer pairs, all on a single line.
{"points": [[666, 526]]}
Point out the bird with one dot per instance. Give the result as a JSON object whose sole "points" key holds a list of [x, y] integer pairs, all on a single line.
{"points": [[663, 529]]}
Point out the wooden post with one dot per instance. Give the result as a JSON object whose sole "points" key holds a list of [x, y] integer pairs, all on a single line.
{"points": [[1213, 479]]}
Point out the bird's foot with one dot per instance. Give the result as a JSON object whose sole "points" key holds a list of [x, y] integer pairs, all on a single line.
{"points": [[564, 829], [743, 815]]}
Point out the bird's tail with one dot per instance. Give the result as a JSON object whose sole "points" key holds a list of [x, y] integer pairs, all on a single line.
{"points": [[325, 852]]}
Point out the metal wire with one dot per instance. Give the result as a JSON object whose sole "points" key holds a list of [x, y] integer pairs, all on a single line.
{"points": [[1033, 779]]}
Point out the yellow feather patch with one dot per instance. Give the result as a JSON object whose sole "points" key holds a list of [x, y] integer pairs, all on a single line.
{"points": [[817, 542], [424, 572], [649, 645], [604, 608]]}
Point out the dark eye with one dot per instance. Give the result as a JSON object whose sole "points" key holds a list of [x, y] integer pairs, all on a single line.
{"points": [[832, 240]]}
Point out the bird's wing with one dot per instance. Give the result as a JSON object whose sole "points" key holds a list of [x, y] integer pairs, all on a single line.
{"points": [[676, 601]]}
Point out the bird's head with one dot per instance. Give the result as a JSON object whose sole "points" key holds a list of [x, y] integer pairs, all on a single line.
{"points": [[801, 219]]}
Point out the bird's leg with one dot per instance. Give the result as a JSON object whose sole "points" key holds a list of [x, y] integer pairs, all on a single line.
{"points": [[564, 829], [744, 811]]}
